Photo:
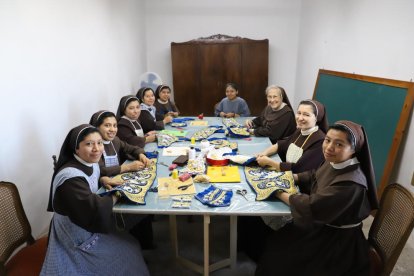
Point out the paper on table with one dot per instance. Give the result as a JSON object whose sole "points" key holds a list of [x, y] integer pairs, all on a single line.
{"points": [[178, 133], [219, 174], [169, 187], [175, 151], [199, 123]]}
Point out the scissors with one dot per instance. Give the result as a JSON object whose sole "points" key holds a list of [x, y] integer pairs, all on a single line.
{"points": [[242, 193], [184, 187]]}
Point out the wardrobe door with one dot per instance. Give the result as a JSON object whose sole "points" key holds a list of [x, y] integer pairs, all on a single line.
{"points": [[254, 78], [219, 64], [185, 67]]}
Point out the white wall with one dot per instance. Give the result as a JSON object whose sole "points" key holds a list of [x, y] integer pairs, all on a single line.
{"points": [[60, 61], [370, 37], [183, 20]]}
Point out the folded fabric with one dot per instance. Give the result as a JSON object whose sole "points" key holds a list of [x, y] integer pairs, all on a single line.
{"points": [[238, 132], [206, 132], [151, 154], [223, 142], [178, 124], [164, 140], [231, 122], [266, 182], [136, 184], [240, 159], [181, 120], [215, 197]]}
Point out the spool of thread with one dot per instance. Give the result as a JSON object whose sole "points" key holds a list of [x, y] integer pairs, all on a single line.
{"points": [[174, 174], [172, 167], [192, 153], [204, 144], [192, 141], [184, 177]]}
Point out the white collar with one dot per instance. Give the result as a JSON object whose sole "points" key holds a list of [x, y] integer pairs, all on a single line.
{"points": [[162, 102], [125, 117], [345, 164], [280, 107], [309, 131], [106, 142], [82, 161]]}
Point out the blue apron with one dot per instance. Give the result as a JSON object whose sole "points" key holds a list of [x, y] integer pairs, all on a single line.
{"points": [[74, 251]]}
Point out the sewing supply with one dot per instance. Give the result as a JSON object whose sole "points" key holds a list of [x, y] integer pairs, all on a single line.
{"points": [[192, 153], [184, 177], [172, 167], [174, 174], [242, 193], [204, 144], [192, 140], [184, 187]]}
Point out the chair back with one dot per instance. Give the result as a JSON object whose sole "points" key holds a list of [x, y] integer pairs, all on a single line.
{"points": [[391, 227], [14, 227]]}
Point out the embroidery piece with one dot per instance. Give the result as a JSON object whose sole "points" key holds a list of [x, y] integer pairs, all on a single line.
{"points": [[266, 182], [238, 132], [205, 133], [181, 202], [215, 197], [165, 140], [195, 166], [220, 143], [136, 184], [178, 124], [231, 122]]}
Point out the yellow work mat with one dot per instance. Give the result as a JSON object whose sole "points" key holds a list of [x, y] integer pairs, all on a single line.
{"points": [[199, 123], [169, 187], [223, 173]]}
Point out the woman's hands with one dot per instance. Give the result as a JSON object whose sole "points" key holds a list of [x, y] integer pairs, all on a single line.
{"points": [[249, 124], [108, 182], [167, 119], [228, 115], [264, 161], [150, 136]]}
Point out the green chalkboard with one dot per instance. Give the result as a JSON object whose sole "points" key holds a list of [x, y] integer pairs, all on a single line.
{"points": [[381, 105]]}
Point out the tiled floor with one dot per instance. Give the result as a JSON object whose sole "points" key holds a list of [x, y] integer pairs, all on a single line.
{"points": [[190, 234]]}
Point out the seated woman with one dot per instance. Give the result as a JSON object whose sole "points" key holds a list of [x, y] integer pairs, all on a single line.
{"points": [[148, 118], [325, 237], [129, 128], [83, 239], [116, 152], [277, 120], [232, 105], [301, 151], [163, 102]]}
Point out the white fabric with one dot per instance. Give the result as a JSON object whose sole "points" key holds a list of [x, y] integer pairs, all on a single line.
{"points": [[294, 153]]}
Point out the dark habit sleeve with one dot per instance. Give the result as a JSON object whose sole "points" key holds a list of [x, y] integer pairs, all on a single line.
{"points": [[90, 211]]}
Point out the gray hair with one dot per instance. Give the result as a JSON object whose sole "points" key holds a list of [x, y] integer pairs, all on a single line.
{"points": [[272, 86]]}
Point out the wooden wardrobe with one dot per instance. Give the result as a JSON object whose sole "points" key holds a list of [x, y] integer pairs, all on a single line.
{"points": [[202, 67]]}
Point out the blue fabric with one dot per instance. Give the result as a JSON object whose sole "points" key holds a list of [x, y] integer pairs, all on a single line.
{"points": [[182, 120], [215, 197]]}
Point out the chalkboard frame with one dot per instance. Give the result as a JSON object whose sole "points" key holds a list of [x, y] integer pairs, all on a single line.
{"points": [[404, 110]]}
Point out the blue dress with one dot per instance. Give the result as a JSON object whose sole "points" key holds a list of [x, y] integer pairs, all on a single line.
{"points": [[72, 250]]}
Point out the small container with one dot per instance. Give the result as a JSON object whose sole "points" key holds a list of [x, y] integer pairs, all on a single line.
{"points": [[174, 174], [191, 153], [192, 141], [204, 144]]}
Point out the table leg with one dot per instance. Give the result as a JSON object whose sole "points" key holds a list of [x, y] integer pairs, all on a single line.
{"points": [[206, 245], [233, 242], [173, 233]]}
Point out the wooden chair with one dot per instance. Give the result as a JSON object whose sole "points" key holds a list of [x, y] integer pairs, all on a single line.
{"points": [[15, 231], [391, 228]]}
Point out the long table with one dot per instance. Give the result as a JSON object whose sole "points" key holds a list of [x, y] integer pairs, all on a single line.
{"points": [[239, 205]]}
